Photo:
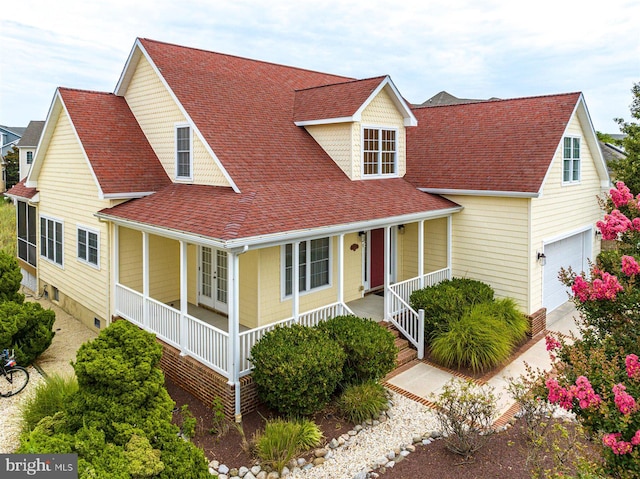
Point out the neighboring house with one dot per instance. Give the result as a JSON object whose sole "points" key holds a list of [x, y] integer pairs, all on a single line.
{"points": [[611, 152], [211, 198], [27, 146], [9, 137]]}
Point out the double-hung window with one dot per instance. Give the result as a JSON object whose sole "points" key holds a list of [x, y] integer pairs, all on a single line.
{"points": [[27, 233], [379, 152], [51, 237], [313, 265], [88, 246], [184, 153], [29, 157], [571, 159]]}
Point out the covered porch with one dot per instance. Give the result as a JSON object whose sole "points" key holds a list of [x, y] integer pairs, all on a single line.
{"points": [[160, 287]]}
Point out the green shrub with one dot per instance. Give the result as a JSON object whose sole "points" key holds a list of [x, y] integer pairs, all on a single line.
{"points": [[188, 422], [10, 278], [120, 415], [610, 261], [507, 312], [49, 398], [448, 301], [370, 349], [296, 369], [27, 328], [359, 402], [475, 341], [282, 440]]}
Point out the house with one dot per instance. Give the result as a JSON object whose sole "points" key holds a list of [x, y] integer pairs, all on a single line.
{"points": [[9, 137], [211, 198], [27, 146]]}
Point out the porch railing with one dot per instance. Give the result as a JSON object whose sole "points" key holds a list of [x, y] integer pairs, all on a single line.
{"points": [[409, 321], [308, 318], [202, 341]]}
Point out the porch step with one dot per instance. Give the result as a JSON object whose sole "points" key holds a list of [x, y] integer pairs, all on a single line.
{"points": [[406, 353]]}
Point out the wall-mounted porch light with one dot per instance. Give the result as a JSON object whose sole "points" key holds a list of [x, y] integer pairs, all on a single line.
{"points": [[401, 229], [362, 235], [542, 258], [598, 234]]}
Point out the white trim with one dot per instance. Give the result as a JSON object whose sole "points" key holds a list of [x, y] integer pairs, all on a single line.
{"points": [[126, 196], [295, 292], [40, 255], [88, 229], [571, 181], [176, 127], [566, 234], [409, 117], [123, 83], [325, 121], [396, 165], [451, 191]]}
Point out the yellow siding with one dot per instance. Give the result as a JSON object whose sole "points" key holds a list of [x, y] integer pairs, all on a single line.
{"points": [[69, 193], [157, 113], [408, 252], [383, 112], [249, 288], [561, 209], [130, 263], [164, 269], [192, 275], [435, 248], [491, 244], [336, 141], [274, 308]]}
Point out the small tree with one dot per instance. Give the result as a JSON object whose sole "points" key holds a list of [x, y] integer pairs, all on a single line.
{"points": [[12, 167], [627, 169]]}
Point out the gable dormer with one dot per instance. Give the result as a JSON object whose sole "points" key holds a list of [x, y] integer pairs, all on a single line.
{"points": [[360, 124]]}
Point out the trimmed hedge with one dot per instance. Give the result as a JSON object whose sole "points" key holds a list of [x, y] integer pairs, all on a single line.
{"points": [[296, 369], [27, 328], [10, 278], [370, 349]]}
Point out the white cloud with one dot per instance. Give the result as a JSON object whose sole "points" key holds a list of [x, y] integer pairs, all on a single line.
{"points": [[472, 49]]}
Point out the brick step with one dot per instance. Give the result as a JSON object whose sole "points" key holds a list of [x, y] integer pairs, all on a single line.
{"points": [[401, 343], [406, 355]]}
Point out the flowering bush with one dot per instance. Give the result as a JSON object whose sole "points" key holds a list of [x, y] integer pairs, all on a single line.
{"points": [[599, 374]]}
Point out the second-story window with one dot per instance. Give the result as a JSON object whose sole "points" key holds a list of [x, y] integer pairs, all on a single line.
{"points": [[29, 157], [571, 160], [183, 152], [379, 152]]}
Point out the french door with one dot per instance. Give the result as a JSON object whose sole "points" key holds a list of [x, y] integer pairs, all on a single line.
{"points": [[214, 279]]}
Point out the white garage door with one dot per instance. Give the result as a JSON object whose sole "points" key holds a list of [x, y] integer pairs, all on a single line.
{"points": [[571, 251]]}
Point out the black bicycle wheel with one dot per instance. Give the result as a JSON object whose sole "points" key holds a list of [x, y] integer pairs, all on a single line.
{"points": [[13, 381]]}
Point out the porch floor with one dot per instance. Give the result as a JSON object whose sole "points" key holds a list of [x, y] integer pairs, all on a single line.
{"points": [[371, 306]]}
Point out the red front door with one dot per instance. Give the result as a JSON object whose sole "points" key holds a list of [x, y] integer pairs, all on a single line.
{"points": [[376, 249]]}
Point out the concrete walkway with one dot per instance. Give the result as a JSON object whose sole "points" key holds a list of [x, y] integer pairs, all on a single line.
{"points": [[424, 382]]}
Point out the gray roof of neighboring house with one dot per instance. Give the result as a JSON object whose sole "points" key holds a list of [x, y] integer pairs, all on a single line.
{"points": [[611, 152], [17, 130], [444, 98], [31, 135]]}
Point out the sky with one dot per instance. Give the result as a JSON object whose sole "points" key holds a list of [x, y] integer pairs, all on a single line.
{"points": [[469, 48]]}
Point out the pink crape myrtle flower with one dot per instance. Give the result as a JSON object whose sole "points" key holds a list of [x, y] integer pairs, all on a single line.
{"points": [[635, 440], [581, 289], [635, 223], [624, 401], [620, 195], [584, 393], [618, 447], [613, 224], [630, 266], [605, 288], [633, 365], [552, 343]]}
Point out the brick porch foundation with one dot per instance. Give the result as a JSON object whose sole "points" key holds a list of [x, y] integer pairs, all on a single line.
{"points": [[206, 384], [537, 322]]}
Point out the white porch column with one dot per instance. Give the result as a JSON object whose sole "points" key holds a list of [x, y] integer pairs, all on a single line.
{"points": [[449, 236], [234, 328], [184, 300], [295, 281], [341, 269], [116, 253], [387, 271], [145, 279], [421, 253]]}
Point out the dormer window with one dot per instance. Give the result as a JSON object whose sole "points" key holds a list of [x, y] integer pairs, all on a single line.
{"points": [[184, 153], [379, 152]]}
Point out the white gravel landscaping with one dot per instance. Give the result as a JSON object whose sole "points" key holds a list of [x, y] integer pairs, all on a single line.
{"points": [[10, 417]]}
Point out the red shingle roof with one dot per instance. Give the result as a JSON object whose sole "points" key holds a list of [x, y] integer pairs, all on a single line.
{"points": [[499, 145], [333, 101], [119, 153], [275, 207], [21, 191]]}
